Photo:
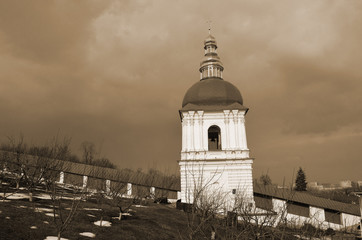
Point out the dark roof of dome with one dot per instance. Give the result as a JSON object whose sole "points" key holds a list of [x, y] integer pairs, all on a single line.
{"points": [[212, 94]]}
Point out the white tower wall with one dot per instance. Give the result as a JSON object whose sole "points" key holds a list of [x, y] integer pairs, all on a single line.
{"points": [[218, 171]]}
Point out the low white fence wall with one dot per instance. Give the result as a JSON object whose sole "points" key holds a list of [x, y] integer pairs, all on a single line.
{"points": [[129, 187], [316, 217]]}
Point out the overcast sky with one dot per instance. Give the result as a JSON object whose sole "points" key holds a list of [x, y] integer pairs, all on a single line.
{"points": [[115, 73]]}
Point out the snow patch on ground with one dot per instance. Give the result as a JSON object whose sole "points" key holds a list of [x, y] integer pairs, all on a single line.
{"points": [[304, 237], [46, 222], [91, 215], [33, 227], [21, 206], [91, 209], [43, 210], [43, 196], [51, 215], [71, 198], [16, 196], [123, 214], [139, 206], [54, 238], [5, 200], [104, 223], [0, 211], [88, 234], [7, 218]]}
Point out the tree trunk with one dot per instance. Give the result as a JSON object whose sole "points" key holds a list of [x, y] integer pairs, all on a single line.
{"points": [[17, 185], [30, 196], [58, 235]]}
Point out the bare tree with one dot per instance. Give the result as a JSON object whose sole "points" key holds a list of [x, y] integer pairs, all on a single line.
{"points": [[43, 165], [8, 175], [14, 157], [265, 179], [206, 200], [110, 193], [161, 182], [97, 183], [118, 190], [216, 214], [88, 152], [63, 212], [37, 164], [252, 222]]}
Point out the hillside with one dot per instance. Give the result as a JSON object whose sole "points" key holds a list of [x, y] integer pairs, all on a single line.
{"points": [[21, 219]]}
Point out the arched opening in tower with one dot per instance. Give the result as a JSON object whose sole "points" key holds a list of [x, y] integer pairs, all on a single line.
{"points": [[214, 138]]}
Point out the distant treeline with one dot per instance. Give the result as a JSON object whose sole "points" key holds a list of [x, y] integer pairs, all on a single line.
{"points": [[60, 151]]}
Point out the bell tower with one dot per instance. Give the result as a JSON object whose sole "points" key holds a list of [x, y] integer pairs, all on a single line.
{"points": [[215, 160]]}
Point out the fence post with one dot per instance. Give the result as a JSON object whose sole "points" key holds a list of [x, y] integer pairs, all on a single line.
{"points": [[152, 192], [129, 189], [61, 177], [108, 186], [85, 180]]}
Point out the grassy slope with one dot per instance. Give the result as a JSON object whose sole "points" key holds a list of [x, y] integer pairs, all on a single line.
{"points": [[152, 222], [155, 221]]}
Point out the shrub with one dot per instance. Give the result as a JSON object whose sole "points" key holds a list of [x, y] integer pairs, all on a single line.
{"points": [[329, 232]]}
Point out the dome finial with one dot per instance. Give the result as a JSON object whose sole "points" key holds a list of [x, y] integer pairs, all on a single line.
{"points": [[210, 66]]}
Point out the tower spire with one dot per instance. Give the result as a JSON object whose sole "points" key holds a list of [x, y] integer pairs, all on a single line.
{"points": [[210, 66]]}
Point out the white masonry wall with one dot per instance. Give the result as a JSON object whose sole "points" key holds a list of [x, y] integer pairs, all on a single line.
{"points": [[195, 125], [316, 217], [219, 171]]}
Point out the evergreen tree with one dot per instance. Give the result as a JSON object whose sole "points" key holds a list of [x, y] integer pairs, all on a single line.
{"points": [[300, 181]]}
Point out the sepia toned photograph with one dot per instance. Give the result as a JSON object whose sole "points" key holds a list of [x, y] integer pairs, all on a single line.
{"points": [[180, 120]]}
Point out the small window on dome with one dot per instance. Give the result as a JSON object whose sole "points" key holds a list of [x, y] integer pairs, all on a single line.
{"points": [[214, 138]]}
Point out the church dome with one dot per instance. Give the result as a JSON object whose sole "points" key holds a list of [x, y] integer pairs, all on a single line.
{"points": [[212, 92]]}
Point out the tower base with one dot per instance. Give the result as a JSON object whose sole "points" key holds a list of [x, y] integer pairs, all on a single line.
{"points": [[222, 183]]}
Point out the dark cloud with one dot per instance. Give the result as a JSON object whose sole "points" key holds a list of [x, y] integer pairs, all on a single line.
{"points": [[115, 72], [48, 31], [318, 99]]}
